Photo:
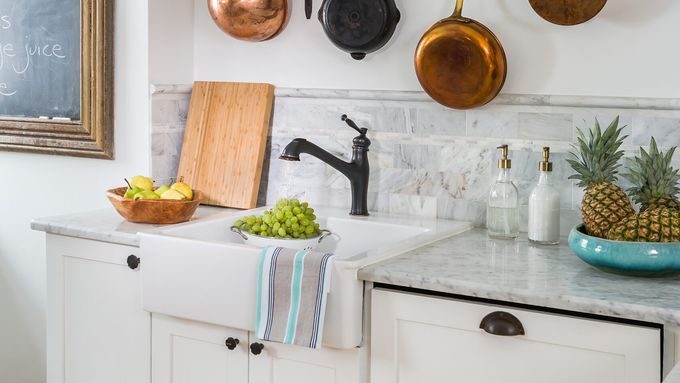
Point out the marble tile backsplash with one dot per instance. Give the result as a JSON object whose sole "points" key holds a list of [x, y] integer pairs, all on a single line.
{"points": [[426, 160]]}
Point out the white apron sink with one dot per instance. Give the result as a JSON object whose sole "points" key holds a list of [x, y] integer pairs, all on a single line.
{"points": [[202, 271]]}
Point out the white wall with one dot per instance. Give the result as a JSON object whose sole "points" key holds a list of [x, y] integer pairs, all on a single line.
{"points": [[42, 185], [630, 49], [171, 38]]}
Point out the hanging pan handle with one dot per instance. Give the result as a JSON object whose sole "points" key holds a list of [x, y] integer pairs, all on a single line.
{"points": [[308, 9], [458, 10]]}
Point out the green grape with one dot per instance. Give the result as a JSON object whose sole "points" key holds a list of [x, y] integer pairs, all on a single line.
{"points": [[297, 210], [280, 215], [309, 230], [287, 208], [256, 229], [267, 219], [246, 227], [309, 211], [293, 220], [295, 202], [304, 222], [311, 217], [282, 232], [295, 226], [304, 205], [300, 216], [238, 223], [289, 215]]}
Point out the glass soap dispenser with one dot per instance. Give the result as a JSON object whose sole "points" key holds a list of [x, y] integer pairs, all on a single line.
{"points": [[502, 214], [544, 206]]}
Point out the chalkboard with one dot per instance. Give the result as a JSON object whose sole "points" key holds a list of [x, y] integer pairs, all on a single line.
{"points": [[40, 59]]}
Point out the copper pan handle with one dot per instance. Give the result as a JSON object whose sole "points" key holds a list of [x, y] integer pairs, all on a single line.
{"points": [[458, 10]]}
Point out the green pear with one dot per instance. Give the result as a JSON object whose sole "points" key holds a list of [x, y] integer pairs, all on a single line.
{"points": [[162, 190], [131, 191], [141, 182], [146, 194], [173, 194], [184, 189]]}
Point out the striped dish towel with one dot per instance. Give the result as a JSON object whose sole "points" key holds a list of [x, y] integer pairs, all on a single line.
{"points": [[291, 296]]}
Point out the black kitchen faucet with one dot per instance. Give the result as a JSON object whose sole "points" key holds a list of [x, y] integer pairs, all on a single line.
{"points": [[357, 170]]}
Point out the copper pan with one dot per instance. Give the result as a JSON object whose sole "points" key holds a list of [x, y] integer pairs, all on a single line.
{"points": [[250, 20], [567, 12], [460, 63]]}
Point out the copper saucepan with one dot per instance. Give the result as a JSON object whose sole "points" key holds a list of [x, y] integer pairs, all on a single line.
{"points": [[250, 20], [460, 63], [567, 12]]}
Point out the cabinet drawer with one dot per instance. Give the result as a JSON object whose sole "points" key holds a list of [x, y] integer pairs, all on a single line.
{"points": [[419, 338]]}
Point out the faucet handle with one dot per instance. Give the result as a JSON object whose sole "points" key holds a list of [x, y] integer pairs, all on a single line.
{"points": [[354, 126]]}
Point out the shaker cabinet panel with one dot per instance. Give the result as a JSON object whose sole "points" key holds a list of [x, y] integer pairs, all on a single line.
{"points": [[192, 352], [418, 338], [278, 363], [97, 330]]}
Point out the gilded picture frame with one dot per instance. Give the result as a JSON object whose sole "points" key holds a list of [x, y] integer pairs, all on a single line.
{"points": [[92, 135]]}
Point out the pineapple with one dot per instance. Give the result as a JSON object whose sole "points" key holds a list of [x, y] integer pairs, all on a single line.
{"points": [[652, 225], [655, 182], [596, 165], [655, 185]]}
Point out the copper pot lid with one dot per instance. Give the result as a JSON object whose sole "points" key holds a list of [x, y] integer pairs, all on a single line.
{"points": [[567, 12], [250, 20]]}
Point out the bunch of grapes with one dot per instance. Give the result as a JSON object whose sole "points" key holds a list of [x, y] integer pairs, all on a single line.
{"points": [[290, 218]]}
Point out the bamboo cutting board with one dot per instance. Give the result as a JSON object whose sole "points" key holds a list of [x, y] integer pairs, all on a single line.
{"points": [[224, 141]]}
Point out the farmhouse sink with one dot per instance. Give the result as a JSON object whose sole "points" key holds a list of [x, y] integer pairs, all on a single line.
{"points": [[202, 271]]}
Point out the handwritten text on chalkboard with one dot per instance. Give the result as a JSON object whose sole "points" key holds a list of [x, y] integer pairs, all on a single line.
{"points": [[21, 58]]}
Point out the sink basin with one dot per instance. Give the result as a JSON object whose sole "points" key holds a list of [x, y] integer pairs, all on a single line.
{"points": [[202, 271]]}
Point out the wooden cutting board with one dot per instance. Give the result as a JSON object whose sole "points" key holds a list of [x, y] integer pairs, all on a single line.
{"points": [[224, 141]]}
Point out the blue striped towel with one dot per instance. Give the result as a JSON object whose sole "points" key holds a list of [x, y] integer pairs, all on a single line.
{"points": [[291, 296]]}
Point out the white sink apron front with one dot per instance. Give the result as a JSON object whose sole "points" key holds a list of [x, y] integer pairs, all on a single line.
{"points": [[202, 271]]}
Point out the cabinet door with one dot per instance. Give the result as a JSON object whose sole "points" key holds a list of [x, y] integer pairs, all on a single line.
{"points": [[193, 352], [96, 328], [279, 363], [423, 339]]}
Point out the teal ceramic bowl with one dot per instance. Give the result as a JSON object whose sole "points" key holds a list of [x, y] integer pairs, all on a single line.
{"points": [[644, 259]]}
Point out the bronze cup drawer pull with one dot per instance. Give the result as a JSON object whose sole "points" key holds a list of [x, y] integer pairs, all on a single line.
{"points": [[502, 324]]}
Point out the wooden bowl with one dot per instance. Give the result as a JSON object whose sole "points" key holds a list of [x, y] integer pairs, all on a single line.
{"points": [[155, 211]]}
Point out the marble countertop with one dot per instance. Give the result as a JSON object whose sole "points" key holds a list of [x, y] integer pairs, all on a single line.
{"points": [[106, 225], [471, 264]]}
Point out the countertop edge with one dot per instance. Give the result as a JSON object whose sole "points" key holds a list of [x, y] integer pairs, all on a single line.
{"points": [[119, 238], [574, 304]]}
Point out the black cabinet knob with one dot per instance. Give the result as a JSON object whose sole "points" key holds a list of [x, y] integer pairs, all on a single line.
{"points": [[256, 348], [502, 324], [231, 343], [133, 261]]}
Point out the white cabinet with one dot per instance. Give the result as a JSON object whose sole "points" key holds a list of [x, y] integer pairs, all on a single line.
{"points": [[193, 352], [279, 363], [97, 330], [424, 339]]}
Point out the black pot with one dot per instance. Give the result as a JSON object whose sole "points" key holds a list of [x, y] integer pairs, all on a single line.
{"points": [[359, 26]]}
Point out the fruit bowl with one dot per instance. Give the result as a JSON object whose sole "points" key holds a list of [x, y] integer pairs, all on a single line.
{"points": [[154, 211], [641, 259]]}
